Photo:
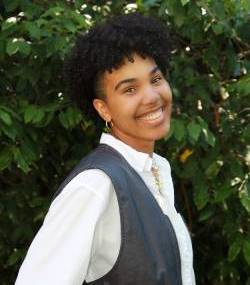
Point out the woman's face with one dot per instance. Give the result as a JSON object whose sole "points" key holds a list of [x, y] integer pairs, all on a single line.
{"points": [[137, 102]]}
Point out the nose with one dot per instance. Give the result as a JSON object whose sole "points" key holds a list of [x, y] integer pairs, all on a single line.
{"points": [[150, 96]]}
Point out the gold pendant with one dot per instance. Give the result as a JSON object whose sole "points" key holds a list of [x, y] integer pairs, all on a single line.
{"points": [[156, 174]]}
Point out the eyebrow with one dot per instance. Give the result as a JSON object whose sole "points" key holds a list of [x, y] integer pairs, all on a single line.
{"points": [[130, 80]]}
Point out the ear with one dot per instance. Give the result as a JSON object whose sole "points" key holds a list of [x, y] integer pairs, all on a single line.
{"points": [[102, 109]]}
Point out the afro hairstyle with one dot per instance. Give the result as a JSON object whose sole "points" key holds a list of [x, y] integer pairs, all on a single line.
{"points": [[105, 46]]}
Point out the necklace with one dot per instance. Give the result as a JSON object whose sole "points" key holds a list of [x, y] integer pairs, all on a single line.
{"points": [[156, 174]]}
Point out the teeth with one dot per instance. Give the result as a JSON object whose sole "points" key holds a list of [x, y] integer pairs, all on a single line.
{"points": [[152, 116]]}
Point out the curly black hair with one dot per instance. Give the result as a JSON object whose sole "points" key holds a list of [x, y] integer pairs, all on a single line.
{"points": [[105, 46]]}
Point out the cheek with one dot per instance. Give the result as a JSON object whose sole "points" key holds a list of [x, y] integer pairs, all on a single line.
{"points": [[125, 112], [120, 110], [167, 93]]}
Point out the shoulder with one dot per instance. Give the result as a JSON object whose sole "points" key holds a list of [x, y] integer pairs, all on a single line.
{"points": [[94, 182]]}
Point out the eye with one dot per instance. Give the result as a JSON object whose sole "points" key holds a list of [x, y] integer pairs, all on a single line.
{"points": [[156, 79], [130, 90]]}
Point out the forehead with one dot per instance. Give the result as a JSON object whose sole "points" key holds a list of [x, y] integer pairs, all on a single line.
{"points": [[138, 68]]}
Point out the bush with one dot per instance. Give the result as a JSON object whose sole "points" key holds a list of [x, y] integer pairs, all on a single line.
{"points": [[42, 135]]}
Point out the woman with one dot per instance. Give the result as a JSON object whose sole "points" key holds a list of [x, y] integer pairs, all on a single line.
{"points": [[113, 220]]}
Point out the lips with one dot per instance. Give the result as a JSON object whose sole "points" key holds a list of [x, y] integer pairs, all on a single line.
{"points": [[151, 116]]}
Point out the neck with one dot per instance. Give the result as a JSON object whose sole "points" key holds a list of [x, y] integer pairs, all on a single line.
{"points": [[135, 143]]}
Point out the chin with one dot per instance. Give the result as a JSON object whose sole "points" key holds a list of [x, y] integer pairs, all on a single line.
{"points": [[162, 134], [159, 136]]}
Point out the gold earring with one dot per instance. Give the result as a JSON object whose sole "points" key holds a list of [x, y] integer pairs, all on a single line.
{"points": [[108, 128]]}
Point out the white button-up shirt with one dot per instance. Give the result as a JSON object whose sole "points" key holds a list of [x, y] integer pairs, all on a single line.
{"points": [[81, 234]]}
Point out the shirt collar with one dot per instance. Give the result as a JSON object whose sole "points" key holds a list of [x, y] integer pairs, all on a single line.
{"points": [[140, 161]]}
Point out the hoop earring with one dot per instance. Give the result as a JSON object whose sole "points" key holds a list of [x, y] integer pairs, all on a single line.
{"points": [[109, 126]]}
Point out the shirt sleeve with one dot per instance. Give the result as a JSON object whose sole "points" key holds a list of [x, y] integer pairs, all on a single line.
{"points": [[61, 250], [193, 278]]}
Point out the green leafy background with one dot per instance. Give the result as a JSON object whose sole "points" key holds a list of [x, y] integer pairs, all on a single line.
{"points": [[42, 135]]}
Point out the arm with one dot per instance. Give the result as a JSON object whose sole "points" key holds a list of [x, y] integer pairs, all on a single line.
{"points": [[61, 250]]}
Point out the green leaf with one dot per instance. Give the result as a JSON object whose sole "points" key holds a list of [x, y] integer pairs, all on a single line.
{"points": [[33, 30], [209, 137], [213, 169], [218, 28], [13, 113], [150, 3], [70, 26], [79, 20], [211, 59], [39, 116], [53, 12], [10, 132], [63, 120], [5, 158], [179, 19], [14, 258], [242, 86], [219, 9], [201, 196], [234, 249], [222, 193], [184, 2], [70, 118], [10, 5], [12, 46], [202, 123], [46, 120], [24, 48], [5, 117], [194, 130], [29, 151], [20, 160], [246, 250], [246, 4], [246, 135], [206, 213], [2, 49], [245, 198], [15, 45], [29, 113], [10, 22], [179, 129], [33, 114]]}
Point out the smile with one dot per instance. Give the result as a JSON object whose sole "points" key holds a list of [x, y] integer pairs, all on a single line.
{"points": [[152, 116]]}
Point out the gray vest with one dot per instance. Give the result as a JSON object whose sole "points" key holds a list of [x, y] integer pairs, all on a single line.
{"points": [[149, 252]]}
